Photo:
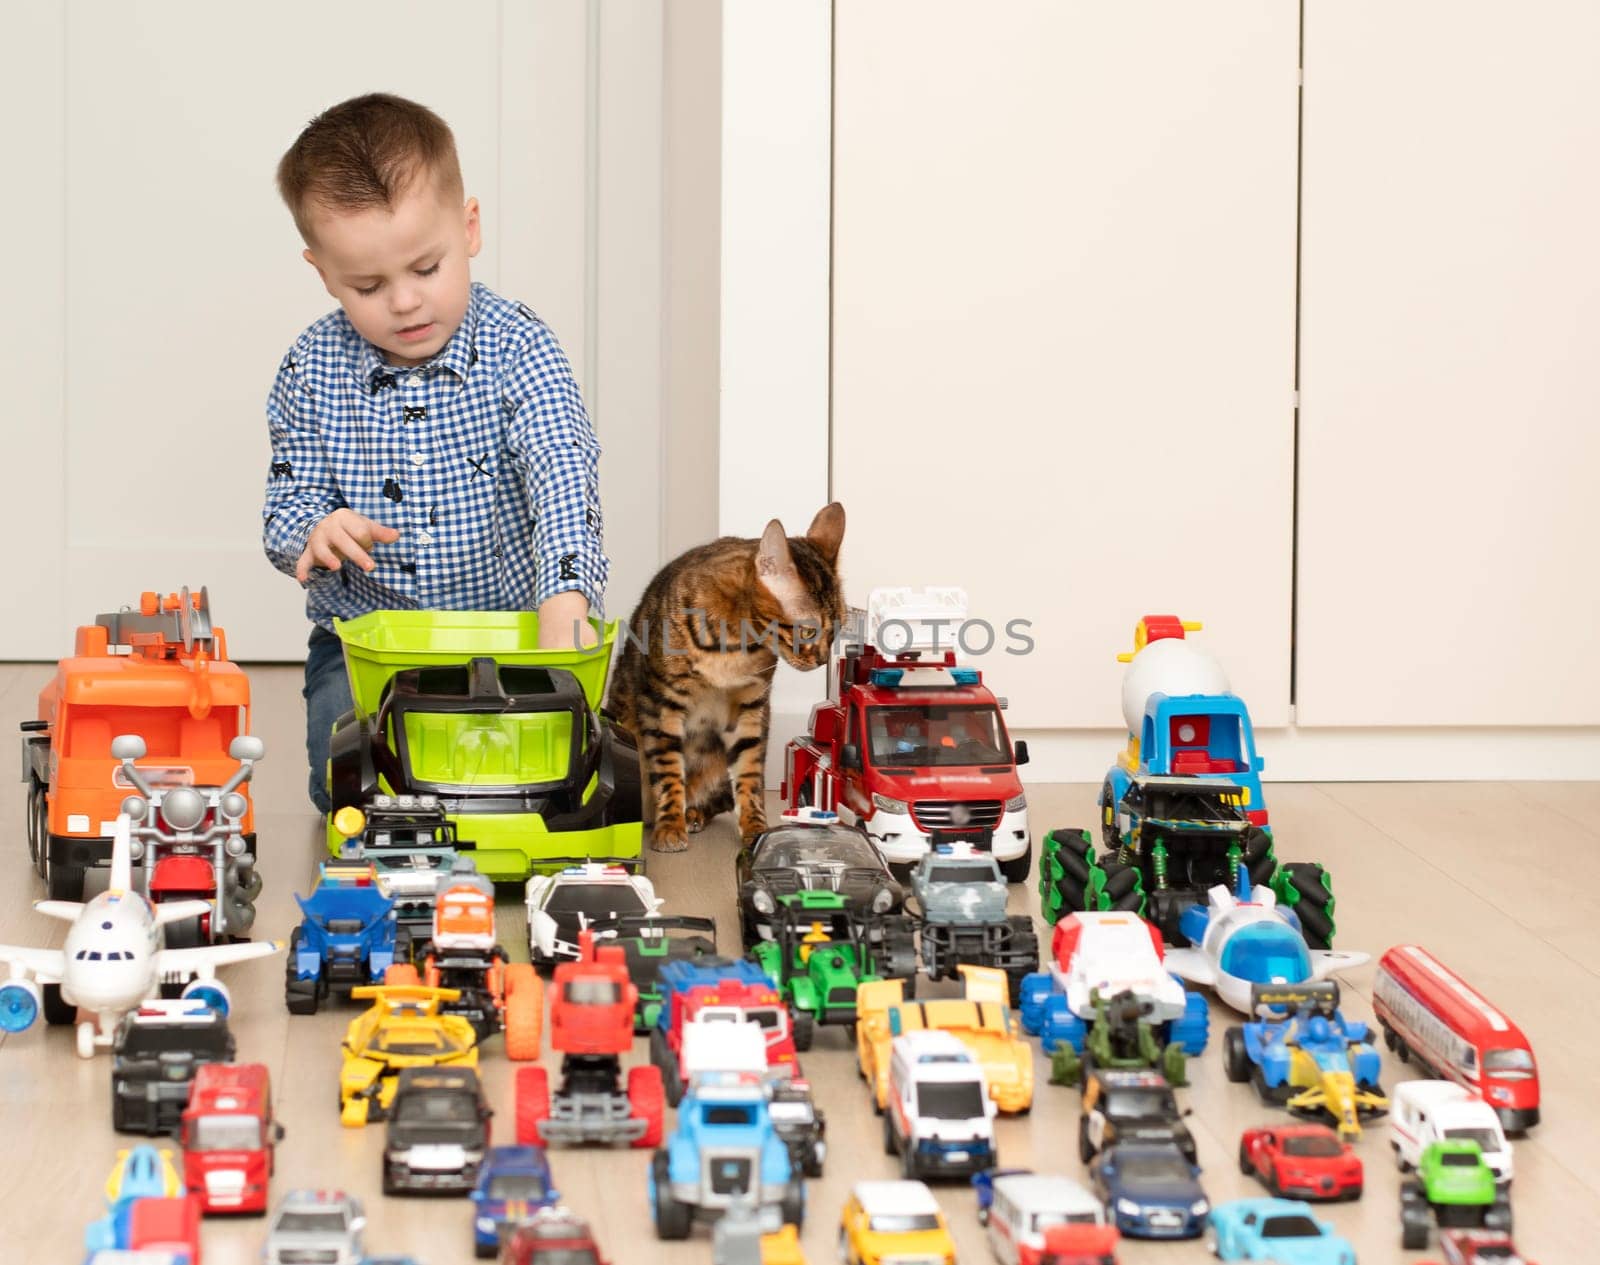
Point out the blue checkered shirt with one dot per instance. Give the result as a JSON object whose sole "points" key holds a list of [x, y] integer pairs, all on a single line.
{"points": [[483, 459]]}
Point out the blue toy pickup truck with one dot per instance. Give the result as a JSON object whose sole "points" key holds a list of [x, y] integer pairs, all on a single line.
{"points": [[725, 1151], [348, 938]]}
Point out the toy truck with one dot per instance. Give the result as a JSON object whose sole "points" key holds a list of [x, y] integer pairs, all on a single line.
{"points": [[725, 1151], [591, 1026], [911, 746], [492, 994], [175, 687], [411, 845], [960, 900], [156, 1054], [713, 990], [1454, 1187], [508, 738], [230, 1137], [348, 937], [938, 1119]]}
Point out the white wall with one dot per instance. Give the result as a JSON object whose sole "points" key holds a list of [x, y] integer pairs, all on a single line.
{"points": [[164, 281]]}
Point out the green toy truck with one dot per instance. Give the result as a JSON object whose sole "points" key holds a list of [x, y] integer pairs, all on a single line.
{"points": [[1454, 1186], [1121, 1037], [463, 706], [820, 954]]}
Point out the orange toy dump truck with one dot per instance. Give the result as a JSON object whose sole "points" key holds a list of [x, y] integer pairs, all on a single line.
{"points": [[161, 672]]}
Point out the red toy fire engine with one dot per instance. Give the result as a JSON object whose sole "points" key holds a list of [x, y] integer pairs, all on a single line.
{"points": [[591, 1025], [716, 989], [229, 1137], [911, 746]]}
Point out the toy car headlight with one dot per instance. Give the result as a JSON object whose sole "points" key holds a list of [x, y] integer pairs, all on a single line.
{"points": [[234, 805], [1199, 1208], [761, 898], [888, 805], [349, 821], [883, 901], [1017, 803], [486, 1225], [1127, 1208]]}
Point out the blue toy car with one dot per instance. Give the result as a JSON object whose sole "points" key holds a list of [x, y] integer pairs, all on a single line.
{"points": [[1283, 1230], [513, 1183], [1314, 1061], [1150, 1190], [348, 939], [725, 1151]]}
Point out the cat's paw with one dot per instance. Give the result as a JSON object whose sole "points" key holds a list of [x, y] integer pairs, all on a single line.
{"points": [[669, 840]]}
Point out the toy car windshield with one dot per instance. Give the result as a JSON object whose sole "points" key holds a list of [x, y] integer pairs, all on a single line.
{"points": [[1290, 1227], [1312, 1147], [937, 735], [962, 872], [438, 1110], [960, 1100], [516, 1186], [595, 901], [903, 1222], [1140, 1104], [1151, 1169], [803, 847]]}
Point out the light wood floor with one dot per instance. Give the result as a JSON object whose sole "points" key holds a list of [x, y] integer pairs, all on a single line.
{"points": [[1497, 879]]}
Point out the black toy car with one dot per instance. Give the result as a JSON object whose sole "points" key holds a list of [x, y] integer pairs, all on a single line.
{"points": [[814, 853], [438, 1131], [155, 1053], [1123, 1106], [800, 1124]]}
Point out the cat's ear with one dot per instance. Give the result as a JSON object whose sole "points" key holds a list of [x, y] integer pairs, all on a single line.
{"points": [[775, 567], [827, 531]]}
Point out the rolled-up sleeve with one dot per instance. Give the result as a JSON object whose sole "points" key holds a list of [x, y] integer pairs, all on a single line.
{"points": [[550, 430], [301, 491]]}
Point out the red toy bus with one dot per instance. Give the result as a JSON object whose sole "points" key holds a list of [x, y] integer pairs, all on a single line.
{"points": [[1427, 1010], [229, 1137]]}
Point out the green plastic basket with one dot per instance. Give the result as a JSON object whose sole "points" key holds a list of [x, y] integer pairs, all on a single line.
{"points": [[381, 643]]}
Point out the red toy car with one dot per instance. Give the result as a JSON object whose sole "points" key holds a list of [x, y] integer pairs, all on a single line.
{"points": [[1302, 1161], [1478, 1247], [229, 1137], [1073, 1245], [552, 1236], [166, 1225]]}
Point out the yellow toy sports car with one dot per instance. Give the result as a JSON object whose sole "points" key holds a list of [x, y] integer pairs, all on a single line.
{"points": [[981, 1019], [402, 1028], [894, 1221]]}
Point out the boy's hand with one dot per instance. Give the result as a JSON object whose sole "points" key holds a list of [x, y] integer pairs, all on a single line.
{"points": [[343, 535], [559, 615]]}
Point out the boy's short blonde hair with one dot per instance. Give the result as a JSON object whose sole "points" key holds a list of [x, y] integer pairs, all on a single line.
{"points": [[363, 153]]}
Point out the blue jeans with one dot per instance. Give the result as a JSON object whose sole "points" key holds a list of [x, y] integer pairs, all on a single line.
{"points": [[327, 695]]}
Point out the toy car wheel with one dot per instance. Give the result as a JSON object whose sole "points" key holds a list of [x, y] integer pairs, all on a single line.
{"points": [[1110, 834], [403, 947], [662, 1057], [58, 1012], [844, 1247], [1064, 871], [1121, 887], [1259, 861], [389, 1187], [1085, 1147], [1212, 1245], [889, 1147], [38, 823], [793, 1206], [1245, 1166], [65, 882], [1415, 1223], [1017, 869], [1235, 1058], [1305, 887], [646, 1101], [1498, 1216], [908, 1163], [533, 1104], [673, 1219], [524, 1013], [804, 1026]]}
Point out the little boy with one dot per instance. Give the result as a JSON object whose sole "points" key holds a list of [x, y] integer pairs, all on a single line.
{"points": [[429, 444]]}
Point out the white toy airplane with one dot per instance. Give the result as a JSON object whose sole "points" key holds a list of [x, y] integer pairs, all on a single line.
{"points": [[1247, 940], [113, 959]]}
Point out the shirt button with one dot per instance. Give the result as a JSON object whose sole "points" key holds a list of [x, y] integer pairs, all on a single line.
{"points": [[415, 380], [423, 538], [417, 459]]}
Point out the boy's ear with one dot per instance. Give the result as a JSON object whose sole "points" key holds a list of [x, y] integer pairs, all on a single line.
{"points": [[312, 260], [474, 229]]}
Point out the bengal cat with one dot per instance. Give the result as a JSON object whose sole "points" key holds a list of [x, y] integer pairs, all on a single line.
{"points": [[698, 695]]}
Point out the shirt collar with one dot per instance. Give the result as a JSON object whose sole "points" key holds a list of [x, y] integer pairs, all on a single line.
{"points": [[458, 355]]}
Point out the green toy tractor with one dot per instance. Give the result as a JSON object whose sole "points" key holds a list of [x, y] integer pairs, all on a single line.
{"points": [[1455, 1187], [1121, 1037], [462, 711], [820, 953]]}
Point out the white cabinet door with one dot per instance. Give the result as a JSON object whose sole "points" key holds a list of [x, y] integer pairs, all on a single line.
{"points": [[1449, 435], [1063, 342]]}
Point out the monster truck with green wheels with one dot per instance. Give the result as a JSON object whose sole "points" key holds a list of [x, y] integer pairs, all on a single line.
{"points": [[1121, 1037], [821, 952], [1172, 839], [1454, 1186], [465, 707]]}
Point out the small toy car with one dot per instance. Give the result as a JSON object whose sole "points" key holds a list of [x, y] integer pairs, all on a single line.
{"points": [[1457, 1188], [1305, 1160], [938, 1118], [348, 937], [801, 1125], [1123, 1106], [1479, 1247], [155, 1054], [1313, 1062], [230, 1137], [551, 1236], [1274, 1230], [1151, 1190], [410, 844], [1029, 1204], [584, 896], [326, 1226], [402, 1028], [513, 1182], [1427, 1111], [960, 896], [438, 1131], [1121, 1037], [725, 1150], [811, 851], [893, 1221]]}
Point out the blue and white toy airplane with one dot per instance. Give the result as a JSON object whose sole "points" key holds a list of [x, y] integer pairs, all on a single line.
{"points": [[1242, 938]]}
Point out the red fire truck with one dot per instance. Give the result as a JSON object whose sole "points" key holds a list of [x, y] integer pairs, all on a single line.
{"points": [[229, 1137], [1430, 1013], [910, 745]]}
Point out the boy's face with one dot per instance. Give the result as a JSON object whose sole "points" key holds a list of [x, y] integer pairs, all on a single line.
{"points": [[401, 273]]}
